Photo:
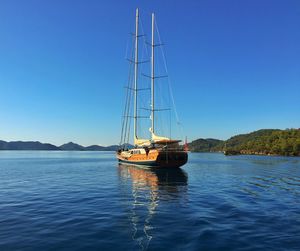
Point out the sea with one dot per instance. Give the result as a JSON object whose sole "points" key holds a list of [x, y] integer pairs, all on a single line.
{"points": [[56, 200]]}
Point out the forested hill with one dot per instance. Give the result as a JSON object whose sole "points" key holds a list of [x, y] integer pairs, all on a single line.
{"points": [[205, 145], [266, 141]]}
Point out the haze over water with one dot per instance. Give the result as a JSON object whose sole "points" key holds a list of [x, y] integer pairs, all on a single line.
{"points": [[86, 201]]}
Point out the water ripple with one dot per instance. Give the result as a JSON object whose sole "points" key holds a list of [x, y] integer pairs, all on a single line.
{"points": [[86, 201]]}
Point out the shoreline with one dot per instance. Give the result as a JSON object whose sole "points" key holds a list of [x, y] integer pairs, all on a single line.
{"points": [[254, 154]]}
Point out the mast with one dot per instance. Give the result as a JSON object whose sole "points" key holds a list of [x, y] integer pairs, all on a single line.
{"points": [[136, 72], [152, 76]]}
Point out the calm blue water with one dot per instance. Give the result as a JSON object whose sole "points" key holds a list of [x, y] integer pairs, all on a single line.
{"points": [[86, 201]]}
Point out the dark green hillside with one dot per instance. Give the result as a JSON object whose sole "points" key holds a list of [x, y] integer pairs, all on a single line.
{"points": [[205, 145], [266, 141]]}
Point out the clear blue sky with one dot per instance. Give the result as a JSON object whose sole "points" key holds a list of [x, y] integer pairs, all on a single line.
{"points": [[234, 66]]}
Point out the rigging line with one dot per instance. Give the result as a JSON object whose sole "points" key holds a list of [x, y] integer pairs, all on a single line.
{"points": [[127, 121], [128, 135], [126, 106], [123, 119], [128, 124], [162, 120], [128, 103], [166, 68], [145, 49], [129, 128], [144, 37], [128, 110], [159, 102], [129, 93], [169, 81], [170, 117], [170, 122], [126, 51]]}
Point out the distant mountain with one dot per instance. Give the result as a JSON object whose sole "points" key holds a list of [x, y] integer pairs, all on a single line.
{"points": [[112, 148], [71, 147], [35, 145], [3, 145], [205, 145], [26, 145], [75, 147], [95, 148]]}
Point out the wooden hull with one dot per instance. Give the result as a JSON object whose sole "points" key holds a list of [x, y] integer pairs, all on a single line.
{"points": [[156, 159]]}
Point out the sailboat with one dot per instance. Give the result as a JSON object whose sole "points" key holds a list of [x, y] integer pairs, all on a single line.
{"points": [[157, 151]]}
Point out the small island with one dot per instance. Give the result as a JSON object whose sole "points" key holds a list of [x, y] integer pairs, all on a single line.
{"points": [[261, 142]]}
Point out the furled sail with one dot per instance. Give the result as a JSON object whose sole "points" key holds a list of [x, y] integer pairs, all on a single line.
{"points": [[141, 142], [156, 138]]}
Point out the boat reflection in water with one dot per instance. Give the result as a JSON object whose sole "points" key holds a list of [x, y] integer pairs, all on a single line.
{"points": [[151, 189]]}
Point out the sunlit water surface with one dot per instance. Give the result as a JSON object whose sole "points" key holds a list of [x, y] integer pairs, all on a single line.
{"points": [[86, 201]]}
